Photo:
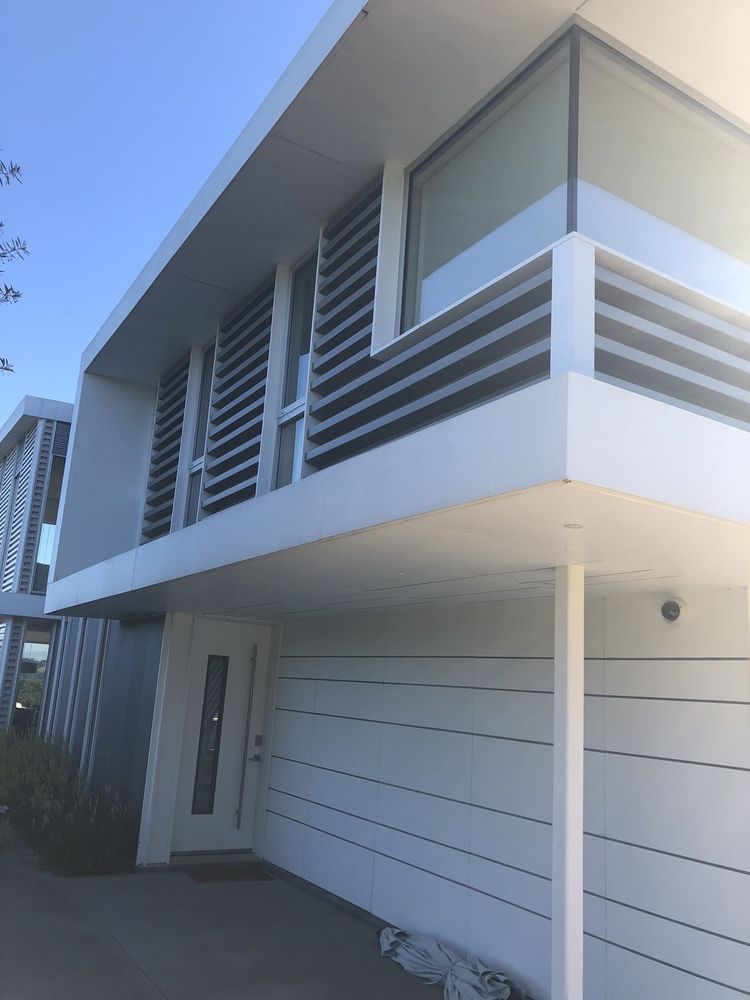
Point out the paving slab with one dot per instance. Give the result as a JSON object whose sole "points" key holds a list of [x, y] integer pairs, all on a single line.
{"points": [[166, 936]]}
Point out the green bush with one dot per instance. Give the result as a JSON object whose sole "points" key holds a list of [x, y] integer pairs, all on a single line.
{"points": [[76, 830]]}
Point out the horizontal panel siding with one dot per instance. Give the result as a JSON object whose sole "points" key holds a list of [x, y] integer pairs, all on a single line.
{"points": [[393, 786], [668, 802], [417, 748]]}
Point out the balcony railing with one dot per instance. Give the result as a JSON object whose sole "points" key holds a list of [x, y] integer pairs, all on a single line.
{"points": [[576, 307], [492, 343], [663, 340]]}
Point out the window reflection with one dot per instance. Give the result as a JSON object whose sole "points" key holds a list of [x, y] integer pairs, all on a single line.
{"points": [[493, 195], [31, 673]]}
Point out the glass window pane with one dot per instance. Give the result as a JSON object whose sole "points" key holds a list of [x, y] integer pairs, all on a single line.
{"points": [[300, 331], [493, 196], [207, 764], [193, 497], [291, 452], [32, 668], [662, 179], [204, 399]]}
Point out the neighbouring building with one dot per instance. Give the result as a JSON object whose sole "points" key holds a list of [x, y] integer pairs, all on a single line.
{"points": [[33, 446], [412, 473]]}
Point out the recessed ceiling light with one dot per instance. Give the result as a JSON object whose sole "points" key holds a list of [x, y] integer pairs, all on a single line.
{"points": [[572, 526]]}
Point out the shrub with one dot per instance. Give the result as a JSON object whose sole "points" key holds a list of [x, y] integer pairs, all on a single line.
{"points": [[76, 830]]}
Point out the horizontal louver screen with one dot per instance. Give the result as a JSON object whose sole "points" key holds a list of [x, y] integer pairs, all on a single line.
{"points": [[61, 439], [493, 343], [13, 640], [237, 400], [38, 490], [18, 513], [346, 296], [650, 341], [6, 495], [165, 452]]}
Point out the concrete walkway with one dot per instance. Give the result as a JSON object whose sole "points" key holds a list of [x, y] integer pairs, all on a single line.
{"points": [[162, 935]]}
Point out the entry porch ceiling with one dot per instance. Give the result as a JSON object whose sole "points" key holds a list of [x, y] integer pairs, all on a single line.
{"points": [[376, 81], [496, 550]]}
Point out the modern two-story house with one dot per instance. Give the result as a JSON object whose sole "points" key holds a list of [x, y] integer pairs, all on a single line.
{"points": [[33, 445], [425, 434]]}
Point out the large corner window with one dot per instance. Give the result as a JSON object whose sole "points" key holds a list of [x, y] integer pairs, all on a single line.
{"points": [[48, 525], [661, 178], [198, 453], [584, 139], [292, 416], [493, 195]]}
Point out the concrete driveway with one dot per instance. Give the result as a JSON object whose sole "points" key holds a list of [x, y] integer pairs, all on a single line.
{"points": [[164, 935]]}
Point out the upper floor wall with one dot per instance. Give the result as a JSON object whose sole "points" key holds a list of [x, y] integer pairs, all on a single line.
{"points": [[588, 216]]}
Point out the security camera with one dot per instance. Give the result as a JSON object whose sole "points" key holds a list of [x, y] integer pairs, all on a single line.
{"points": [[673, 609]]}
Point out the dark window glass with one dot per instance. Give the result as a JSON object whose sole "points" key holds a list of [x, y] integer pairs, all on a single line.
{"points": [[204, 399], [31, 671], [193, 497], [291, 447], [210, 735], [300, 331]]}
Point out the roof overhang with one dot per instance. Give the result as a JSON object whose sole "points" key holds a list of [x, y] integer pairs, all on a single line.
{"points": [[25, 415], [15, 605], [376, 81], [503, 548]]}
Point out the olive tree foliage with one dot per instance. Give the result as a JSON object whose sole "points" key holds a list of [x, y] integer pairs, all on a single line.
{"points": [[12, 248]]}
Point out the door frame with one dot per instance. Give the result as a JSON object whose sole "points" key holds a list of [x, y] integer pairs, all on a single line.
{"points": [[167, 731]]}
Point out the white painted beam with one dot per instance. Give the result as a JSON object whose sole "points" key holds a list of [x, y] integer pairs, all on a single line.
{"points": [[573, 279], [567, 787]]}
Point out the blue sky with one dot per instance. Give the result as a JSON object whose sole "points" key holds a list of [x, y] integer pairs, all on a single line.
{"points": [[117, 112]]}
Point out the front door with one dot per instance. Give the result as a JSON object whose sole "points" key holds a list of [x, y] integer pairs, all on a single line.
{"points": [[221, 749]]}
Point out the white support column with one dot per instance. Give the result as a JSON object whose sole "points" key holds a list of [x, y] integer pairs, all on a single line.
{"points": [[165, 748], [573, 297], [567, 787]]}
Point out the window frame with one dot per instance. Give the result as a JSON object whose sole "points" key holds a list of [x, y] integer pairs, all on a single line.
{"points": [[295, 411], [572, 35], [196, 809], [190, 465], [406, 322]]}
